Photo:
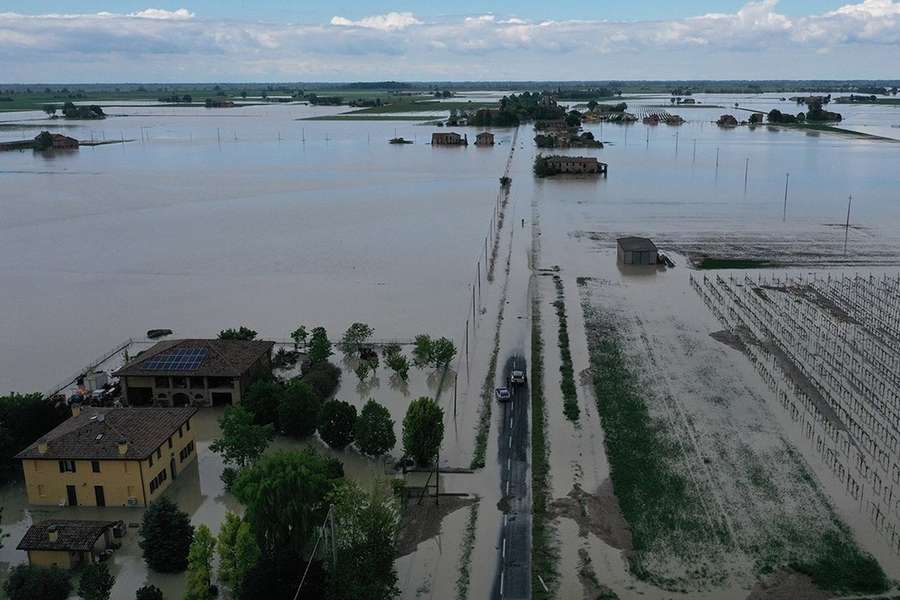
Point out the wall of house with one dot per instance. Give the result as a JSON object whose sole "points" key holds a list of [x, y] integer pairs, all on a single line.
{"points": [[49, 558], [45, 485], [160, 461]]}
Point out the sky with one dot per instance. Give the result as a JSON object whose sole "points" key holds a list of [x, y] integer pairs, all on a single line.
{"points": [[77, 41]]}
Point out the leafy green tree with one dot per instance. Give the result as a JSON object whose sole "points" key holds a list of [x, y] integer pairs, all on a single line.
{"points": [[298, 412], [199, 577], [166, 534], [23, 419], [354, 338], [442, 353], [323, 378], [262, 399], [362, 370], [336, 423], [284, 495], [319, 346], [422, 351], [299, 335], [242, 441], [148, 592], [238, 552], [573, 119], [399, 364], [367, 548], [96, 582], [26, 582], [50, 109], [423, 430], [375, 430], [243, 333]]}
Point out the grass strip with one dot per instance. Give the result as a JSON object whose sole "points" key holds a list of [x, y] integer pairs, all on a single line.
{"points": [[710, 263], [487, 397], [544, 550], [567, 383], [465, 559]]}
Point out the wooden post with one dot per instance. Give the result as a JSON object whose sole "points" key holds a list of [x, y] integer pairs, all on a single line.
{"points": [[478, 266], [787, 178], [847, 226], [746, 173], [455, 385]]}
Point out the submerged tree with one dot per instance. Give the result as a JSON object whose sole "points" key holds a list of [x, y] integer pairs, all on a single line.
{"points": [[375, 430], [166, 535], [96, 582], [319, 346], [242, 441], [199, 577], [355, 337], [336, 423], [423, 430]]}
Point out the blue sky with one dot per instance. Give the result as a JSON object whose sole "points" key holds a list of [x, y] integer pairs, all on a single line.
{"points": [[343, 40]]}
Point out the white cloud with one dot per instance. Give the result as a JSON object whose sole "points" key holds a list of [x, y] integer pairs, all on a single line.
{"points": [[386, 22], [755, 41]]}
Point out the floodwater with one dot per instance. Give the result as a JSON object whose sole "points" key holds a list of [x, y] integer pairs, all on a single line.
{"points": [[216, 218]]}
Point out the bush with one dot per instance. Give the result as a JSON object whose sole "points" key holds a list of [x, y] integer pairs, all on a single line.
{"points": [[30, 582], [96, 582], [323, 377], [166, 536], [149, 592], [298, 412], [336, 423], [375, 430], [423, 430]]}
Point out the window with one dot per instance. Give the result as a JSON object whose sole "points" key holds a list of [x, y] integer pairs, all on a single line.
{"points": [[186, 451], [67, 466], [37, 465], [95, 466], [180, 432], [42, 491], [130, 491], [170, 443], [187, 424], [159, 452], [161, 382], [151, 460]]}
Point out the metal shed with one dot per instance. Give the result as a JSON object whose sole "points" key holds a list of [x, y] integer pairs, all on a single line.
{"points": [[637, 251]]}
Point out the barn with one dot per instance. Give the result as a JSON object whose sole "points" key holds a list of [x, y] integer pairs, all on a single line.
{"points": [[637, 251]]}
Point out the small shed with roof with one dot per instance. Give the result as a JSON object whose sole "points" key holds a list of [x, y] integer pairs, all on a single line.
{"points": [[637, 251], [65, 543]]}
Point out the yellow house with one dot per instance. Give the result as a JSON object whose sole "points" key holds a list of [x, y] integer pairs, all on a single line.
{"points": [[109, 457], [66, 544]]}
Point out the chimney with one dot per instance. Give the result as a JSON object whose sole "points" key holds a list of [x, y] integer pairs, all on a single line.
{"points": [[53, 533], [76, 409], [123, 447], [42, 448]]}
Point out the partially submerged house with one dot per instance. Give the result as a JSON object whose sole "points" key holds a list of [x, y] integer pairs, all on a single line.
{"points": [[636, 251], [109, 457], [449, 138], [194, 372], [575, 164], [67, 544], [485, 138]]}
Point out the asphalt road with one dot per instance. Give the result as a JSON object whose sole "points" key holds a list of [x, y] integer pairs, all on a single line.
{"points": [[514, 573]]}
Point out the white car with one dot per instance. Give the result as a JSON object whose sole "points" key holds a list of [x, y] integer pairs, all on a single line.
{"points": [[517, 377], [503, 394]]}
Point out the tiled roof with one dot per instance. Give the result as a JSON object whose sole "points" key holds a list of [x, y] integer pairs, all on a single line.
{"points": [[224, 358], [71, 535], [95, 433], [636, 244]]}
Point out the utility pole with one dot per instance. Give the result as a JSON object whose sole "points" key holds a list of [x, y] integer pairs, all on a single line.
{"points": [[746, 173], [717, 162], [676, 144], [694, 157], [847, 226], [787, 178]]}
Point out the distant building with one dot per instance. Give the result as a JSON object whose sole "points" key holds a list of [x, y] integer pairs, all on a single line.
{"points": [[449, 138], [547, 99], [727, 121], [194, 372], [66, 544], [637, 251], [575, 164], [109, 457], [485, 138]]}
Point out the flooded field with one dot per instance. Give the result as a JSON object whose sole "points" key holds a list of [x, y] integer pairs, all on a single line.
{"points": [[216, 218]]}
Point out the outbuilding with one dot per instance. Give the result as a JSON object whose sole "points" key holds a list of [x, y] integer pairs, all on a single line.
{"points": [[637, 251], [67, 544], [485, 138]]}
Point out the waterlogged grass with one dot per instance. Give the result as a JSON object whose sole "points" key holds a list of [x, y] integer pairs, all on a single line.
{"points": [[465, 559], [431, 106], [566, 370], [841, 566], [544, 551], [659, 503], [709, 263], [487, 397]]}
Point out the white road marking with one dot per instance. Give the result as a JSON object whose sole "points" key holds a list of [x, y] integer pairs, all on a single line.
{"points": [[507, 487], [504, 548], [501, 583], [510, 441], [504, 520], [508, 464]]}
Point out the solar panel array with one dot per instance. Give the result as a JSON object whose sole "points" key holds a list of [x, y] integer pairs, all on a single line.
{"points": [[180, 359]]}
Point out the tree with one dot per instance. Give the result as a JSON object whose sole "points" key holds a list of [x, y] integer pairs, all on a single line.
{"points": [[148, 592], [422, 351], [336, 423], [23, 419], [238, 552], [442, 352], [375, 430], [244, 333], [367, 548], [50, 109], [299, 335], [573, 119], [284, 495], [323, 378], [399, 364], [298, 412], [200, 558], [166, 535], [354, 338], [28, 582], [319, 346], [96, 582], [362, 370], [423, 430], [242, 441], [262, 399]]}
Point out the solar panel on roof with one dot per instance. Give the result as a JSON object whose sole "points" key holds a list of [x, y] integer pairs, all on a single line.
{"points": [[180, 359]]}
